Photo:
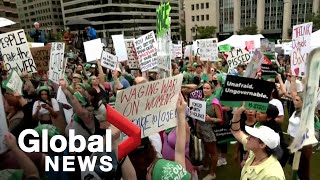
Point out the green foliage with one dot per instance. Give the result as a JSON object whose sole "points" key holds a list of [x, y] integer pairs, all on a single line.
{"points": [[206, 32], [250, 30], [315, 18]]}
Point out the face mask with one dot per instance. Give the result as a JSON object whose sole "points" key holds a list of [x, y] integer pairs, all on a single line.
{"points": [[215, 82]]}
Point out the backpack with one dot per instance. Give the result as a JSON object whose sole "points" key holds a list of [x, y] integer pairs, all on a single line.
{"points": [[196, 146]]}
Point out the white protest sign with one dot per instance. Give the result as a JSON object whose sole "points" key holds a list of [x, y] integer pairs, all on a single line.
{"points": [[133, 63], [146, 49], [176, 51], [237, 56], [3, 125], [61, 97], [152, 105], [301, 40], [207, 49], [255, 63], [187, 50], [14, 82], [16, 53], [5, 22], [120, 47], [35, 45], [93, 49], [197, 109], [57, 65], [108, 60]]}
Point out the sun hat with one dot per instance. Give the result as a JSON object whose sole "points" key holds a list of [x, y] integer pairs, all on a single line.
{"points": [[169, 170], [267, 135]]}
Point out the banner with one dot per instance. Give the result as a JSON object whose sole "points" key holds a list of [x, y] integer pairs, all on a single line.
{"points": [[197, 109], [268, 71], [256, 93], [237, 57], [133, 62], [108, 60], [57, 65], [14, 82], [16, 53], [301, 40], [120, 47], [93, 49], [3, 125], [208, 49], [41, 57], [152, 105], [146, 48]]}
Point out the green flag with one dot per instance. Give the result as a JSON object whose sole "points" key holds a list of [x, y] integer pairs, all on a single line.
{"points": [[163, 21]]}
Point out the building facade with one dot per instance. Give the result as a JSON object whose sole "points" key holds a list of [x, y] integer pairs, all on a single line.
{"points": [[8, 9], [47, 13], [129, 17]]}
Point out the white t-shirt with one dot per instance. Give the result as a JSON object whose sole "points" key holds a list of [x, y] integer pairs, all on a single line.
{"points": [[42, 111], [293, 126], [279, 105], [299, 86]]}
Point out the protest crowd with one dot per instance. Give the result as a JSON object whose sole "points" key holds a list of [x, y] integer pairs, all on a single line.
{"points": [[207, 107]]}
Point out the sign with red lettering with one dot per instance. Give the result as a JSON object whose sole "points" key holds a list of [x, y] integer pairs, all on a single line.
{"points": [[301, 39], [146, 49], [133, 62], [15, 52], [152, 105], [57, 65]]}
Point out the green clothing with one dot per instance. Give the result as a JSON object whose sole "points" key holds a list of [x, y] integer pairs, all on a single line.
{"points": [[129, 78], [218, 93], [11, 174], [209, 107], [204, 77]]}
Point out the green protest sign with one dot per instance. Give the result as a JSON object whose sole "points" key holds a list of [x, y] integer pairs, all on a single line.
{"points": [[225, 48], [163, 21]]}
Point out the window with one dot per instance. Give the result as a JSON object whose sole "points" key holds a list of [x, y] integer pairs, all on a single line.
{"points": [[192, 7], [207, 5], [202, 5], [197, 6], [192, 18], [207, 17], [197, 18], [202, 17]]}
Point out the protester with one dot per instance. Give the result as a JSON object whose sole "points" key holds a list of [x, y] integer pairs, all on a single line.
{"points": [[37, 34], [91, 33]]}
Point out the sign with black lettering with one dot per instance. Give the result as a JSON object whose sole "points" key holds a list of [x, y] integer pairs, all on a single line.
{"points": [[133, 62], [256, 93], [41, 56], [57, 65], [16, 53], [207, 49], [197, 109], [268, 71], [14, 82], [236, 57], [108, 60]]}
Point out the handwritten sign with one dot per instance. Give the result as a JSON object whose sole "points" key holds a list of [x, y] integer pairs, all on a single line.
{"points": [[152, 105], [146, 51], [57, 64], [3, 125], [120, 47], [236, 57], [208, 49], [14, 82], [301, 40], [197, 109], [108, 60], [176, 51], [16, 53], [133, 63], [250, 45], [41, 57]]}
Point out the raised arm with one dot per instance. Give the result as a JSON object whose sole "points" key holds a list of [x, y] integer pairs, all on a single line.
{"points": [[235, 126], [282, 86], [181, 132], [101, 74], [293, 87]]}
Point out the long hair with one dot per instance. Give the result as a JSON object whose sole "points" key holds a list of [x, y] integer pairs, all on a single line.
{"points": [[95, 101]]}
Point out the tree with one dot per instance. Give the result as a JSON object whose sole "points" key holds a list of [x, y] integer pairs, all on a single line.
{"points": [[206, 32], [250, 30], [315, 18]]}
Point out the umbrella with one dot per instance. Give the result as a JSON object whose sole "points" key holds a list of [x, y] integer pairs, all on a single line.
{"points": [[78, 24], [5, 22]]}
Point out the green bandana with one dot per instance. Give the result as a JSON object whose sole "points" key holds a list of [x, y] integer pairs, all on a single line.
{"points": [[52, 130], [80, 98]]}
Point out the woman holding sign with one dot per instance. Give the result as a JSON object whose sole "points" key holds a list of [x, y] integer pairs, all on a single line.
{"points": [[213, 115]]}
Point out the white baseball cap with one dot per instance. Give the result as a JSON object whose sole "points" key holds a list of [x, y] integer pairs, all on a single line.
{"points": [[267, 135]]}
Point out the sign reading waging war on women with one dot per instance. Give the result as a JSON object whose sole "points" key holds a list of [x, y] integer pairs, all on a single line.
{"points": [[151, 106], [146, 51], [301, 39], [254, 92], [236, 57], [57, 65], [16, 53]]}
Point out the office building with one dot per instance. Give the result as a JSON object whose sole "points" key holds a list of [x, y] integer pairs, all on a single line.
{"points": [[47, 13], [8, 9], [129, 17]]}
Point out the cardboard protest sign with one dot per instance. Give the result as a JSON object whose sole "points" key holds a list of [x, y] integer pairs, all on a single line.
{"points": [[146, 50], [197, 109], [254, 92], [120, 47], [57, 63], [93, 49], [133, 62], [152, 105], [108, 60], [41, 57], [16, 53], [207, 49], [237, 57], [250, 45], [14, 82], [268, 71], [176, 51], [3, 125], [301, 40]]}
